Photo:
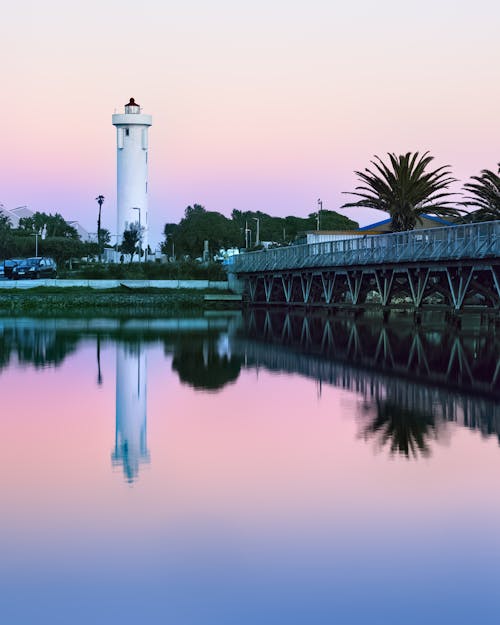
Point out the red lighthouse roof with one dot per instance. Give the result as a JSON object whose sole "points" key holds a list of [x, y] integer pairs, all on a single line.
{"points": [[132, 103]]}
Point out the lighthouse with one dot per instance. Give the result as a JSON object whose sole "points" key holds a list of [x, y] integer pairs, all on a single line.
{"points": [[132, 169]]}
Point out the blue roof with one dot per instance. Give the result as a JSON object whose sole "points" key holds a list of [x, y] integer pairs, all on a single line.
{"points": [[438, 220]]}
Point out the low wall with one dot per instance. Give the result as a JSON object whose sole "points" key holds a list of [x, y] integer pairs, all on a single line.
{"points": [[114, 284]]}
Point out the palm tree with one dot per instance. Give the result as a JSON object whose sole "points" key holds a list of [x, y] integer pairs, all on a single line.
{"points": [[485, 195], [100, 200], [405, 189]]}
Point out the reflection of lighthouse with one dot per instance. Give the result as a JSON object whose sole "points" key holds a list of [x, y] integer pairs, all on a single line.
{"points": [[131, 385]]}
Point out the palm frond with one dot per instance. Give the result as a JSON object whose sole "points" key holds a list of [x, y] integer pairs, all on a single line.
{"points": [[405, 189]]}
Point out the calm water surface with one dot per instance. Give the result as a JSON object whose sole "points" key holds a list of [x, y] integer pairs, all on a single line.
{"points": [[274, 470]]}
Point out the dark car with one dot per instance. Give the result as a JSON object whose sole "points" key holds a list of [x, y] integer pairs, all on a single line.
{"points": [[9, 265], [40, 267]]}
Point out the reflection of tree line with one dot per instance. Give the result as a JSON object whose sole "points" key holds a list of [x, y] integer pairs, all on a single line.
{"points": [[205, 364], [37, 347], [202, 361], [207, 361]]}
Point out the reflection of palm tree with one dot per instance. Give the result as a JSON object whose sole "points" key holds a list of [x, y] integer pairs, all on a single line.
{"points": [[99, 374], [407, 431]]}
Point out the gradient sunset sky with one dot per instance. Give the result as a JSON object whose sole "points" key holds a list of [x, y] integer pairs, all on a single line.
{"points": [[263, 106]]}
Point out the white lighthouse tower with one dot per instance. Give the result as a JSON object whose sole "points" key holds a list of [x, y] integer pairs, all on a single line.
{"points": [[132, 169]]}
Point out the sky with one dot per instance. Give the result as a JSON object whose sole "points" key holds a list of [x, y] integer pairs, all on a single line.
{"points": [[264, 106]]}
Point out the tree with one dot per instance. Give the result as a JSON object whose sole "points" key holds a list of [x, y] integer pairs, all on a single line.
{"points": [[62, 248], [197, 226], [168, 246], [405, 189], [485, 195], [282, 229], [130, 242], [105, 237], [56, 225], [5, 236]]}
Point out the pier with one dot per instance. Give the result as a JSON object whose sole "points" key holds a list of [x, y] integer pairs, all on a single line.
{"points": [[454, 268]]}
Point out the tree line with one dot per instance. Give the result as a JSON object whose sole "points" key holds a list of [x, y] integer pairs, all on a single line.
{"points": [[51, 234], [199, 225], [405, 188]]}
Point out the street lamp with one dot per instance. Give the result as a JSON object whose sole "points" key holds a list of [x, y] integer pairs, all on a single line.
{"points": [[171, 236], [138, 208], [99, 200], [37, 234], [248, 236], [257, 234], [320, 208]]}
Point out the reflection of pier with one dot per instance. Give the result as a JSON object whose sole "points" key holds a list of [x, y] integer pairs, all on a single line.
{"points": [[131, 414], [425, 372]]}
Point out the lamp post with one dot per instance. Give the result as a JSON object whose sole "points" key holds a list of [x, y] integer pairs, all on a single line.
{"points": [[99, 200], [320, 208], [171, 236], [138, 208], [37, 234], [248, 236], [257, 234]]}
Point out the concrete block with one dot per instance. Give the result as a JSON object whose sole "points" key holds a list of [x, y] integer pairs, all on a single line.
{"points": [[218, 284], [104, 284], [135, 284], [193, 284]]}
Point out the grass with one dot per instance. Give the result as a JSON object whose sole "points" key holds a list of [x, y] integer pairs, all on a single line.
{"points": [[147, 301]]}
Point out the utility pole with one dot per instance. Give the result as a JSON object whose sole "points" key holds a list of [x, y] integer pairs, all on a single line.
{"points": [[99, 200], [320, 208]]}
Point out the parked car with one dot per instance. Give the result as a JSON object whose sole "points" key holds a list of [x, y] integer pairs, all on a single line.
{"points": [[9, 265], [40, 267]]}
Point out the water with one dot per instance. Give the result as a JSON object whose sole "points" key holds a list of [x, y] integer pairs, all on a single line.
{"points": [[277, 470]]}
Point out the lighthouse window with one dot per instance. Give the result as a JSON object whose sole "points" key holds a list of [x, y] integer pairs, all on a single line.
{"points": [[126, 132], [146, 187]]}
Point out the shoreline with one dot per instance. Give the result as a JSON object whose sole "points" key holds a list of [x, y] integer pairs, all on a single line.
{"points": [[149, 302]]}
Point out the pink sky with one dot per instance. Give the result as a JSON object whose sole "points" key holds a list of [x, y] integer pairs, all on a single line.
{"points": [[263, 107]]}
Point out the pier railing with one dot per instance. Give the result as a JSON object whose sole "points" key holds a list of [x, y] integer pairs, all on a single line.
{"points": [[470, 241]]}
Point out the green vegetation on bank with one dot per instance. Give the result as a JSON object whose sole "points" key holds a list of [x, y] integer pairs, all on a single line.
{"points": [[148, 302], [182, 270]]}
